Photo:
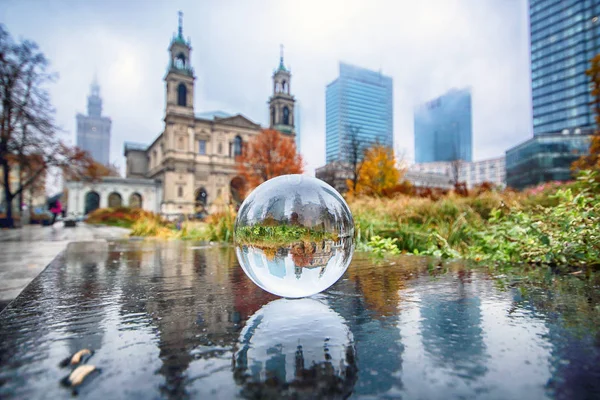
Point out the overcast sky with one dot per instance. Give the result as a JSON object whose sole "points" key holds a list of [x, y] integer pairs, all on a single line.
{"points": [[426, 46]]}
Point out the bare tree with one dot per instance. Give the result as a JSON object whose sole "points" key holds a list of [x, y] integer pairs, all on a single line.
{"points": [[354, 150], [27, 128], [456, 162]]}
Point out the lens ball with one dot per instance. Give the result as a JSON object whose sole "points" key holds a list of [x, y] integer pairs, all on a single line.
{"points": [[294, 236]]}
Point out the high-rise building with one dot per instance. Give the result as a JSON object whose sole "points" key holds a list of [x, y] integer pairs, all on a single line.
{"points": [[563, 40], [564, 37], [443, 128], [93, 130], [359, 103]]}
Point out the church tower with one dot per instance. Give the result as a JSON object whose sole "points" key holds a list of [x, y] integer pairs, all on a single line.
{"points": [[281, 103], [180, 75]]}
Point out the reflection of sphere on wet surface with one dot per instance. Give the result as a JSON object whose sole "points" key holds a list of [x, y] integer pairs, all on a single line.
{"points": [[294, 236], [296, 349]]}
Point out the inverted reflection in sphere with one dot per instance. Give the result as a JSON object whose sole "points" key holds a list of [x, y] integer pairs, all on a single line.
{"points": [[294, 236], [296, 349]]}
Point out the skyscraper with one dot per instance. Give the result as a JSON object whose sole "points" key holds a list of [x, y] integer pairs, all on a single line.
{"points": [[564, 37], [360, 101], [563, 40], [443, 128], [93, 130]]}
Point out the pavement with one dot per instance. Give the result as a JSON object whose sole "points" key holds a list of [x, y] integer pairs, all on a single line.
{"points": [[26, 251]]}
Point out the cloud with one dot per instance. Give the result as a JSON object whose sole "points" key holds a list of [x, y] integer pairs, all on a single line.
{"points": [[427, 47]]}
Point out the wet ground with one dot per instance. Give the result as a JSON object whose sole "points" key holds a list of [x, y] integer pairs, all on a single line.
{"points": [[179, 320], [26, 251]]}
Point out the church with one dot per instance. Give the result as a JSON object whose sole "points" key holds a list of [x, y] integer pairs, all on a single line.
{"points": [[190, 167]]}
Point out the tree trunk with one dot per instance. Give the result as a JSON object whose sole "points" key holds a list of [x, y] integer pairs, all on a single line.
{"points": [[7, 196]]}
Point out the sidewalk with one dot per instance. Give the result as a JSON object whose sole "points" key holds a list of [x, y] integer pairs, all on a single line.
{"points": [[26, 251]]}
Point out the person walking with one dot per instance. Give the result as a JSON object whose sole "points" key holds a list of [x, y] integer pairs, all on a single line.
{"points": [[55, 210]]}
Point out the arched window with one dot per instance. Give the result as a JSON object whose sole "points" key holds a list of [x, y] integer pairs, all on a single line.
{"points": [[135, 200], [273, 116], [286, 115], [180, 191], [220, 148], [237, 146], [92, 202], [180, 145], [283, 86], [115, 200], [201, 197], [181, 95], [180, 61]]}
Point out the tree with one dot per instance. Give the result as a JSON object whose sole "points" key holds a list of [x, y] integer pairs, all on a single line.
{"points": [[27, 127], [592, 159], [354, 150], [267, 155], [89, 170], [378, 174]]}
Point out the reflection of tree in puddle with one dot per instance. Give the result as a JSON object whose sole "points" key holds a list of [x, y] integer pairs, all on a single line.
{"points": [[295, 349], [382, 286]]}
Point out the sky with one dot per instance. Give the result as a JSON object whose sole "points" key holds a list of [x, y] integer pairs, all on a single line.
{"points": [[426, 46]]}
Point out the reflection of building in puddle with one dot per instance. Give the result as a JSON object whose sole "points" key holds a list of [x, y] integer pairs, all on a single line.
{"points": [[295, 349]]}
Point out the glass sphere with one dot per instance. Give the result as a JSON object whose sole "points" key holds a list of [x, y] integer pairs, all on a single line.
{"points": [[297, 349], [294, 236]]}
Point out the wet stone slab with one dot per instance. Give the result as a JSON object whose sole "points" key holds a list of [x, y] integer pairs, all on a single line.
{"points": [[179, 320]]}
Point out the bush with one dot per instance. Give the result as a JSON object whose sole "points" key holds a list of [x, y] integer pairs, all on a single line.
{"points": [[124, 217]]}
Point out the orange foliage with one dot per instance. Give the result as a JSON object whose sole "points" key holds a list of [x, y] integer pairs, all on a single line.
{"points": [[87, 169], [592, 159], [267, 155]]}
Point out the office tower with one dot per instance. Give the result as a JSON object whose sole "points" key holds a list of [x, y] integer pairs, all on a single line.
{"points": [[359, 105], [563, 40], [443, 128], [564, 37], [93, 130]]}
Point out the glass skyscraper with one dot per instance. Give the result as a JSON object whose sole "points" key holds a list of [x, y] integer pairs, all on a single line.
{"points": [[564, 37], [443, 128], [361, 101], [563, 40]]}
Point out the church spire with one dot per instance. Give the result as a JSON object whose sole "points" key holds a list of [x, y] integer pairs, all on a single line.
{"points": [[281, 64], [180, 29]]}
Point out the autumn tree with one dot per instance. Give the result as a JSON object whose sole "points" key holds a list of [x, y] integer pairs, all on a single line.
{"points": [[592, 159], [89, 170], [27, 127], [378, 173], [265, 156]]}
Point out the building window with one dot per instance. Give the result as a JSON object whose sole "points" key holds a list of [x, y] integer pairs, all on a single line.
{"points": [[180, 61], [181, 95], [180, 191], [180, 144], [286, 115], [237, 146], [220, 148], [202, 147]]}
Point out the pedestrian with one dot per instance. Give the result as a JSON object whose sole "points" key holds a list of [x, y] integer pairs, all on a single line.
{"points": [[55, 210]]}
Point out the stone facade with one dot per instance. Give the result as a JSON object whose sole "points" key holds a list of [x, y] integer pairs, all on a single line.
{"points": [[194, 157]]}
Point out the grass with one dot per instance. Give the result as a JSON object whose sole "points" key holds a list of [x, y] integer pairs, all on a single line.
{"points": [[555, 224]]}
